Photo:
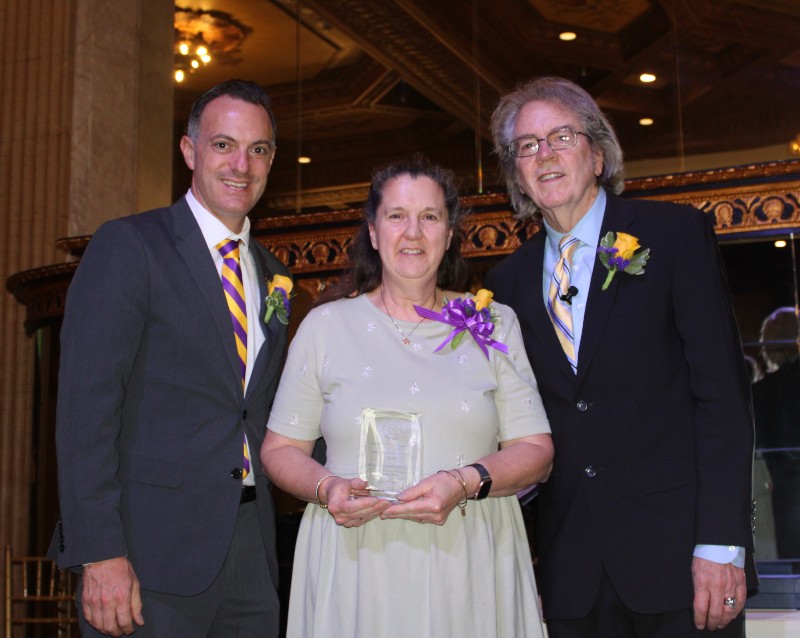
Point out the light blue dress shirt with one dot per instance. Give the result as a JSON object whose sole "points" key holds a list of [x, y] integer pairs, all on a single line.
{"points": [[587, 230]]}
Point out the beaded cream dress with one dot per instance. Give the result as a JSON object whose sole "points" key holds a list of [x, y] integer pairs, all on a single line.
{"points": [[470, 577]]}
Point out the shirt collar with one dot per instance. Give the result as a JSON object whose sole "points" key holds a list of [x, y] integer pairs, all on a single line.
{"points": [[214, 231], [587, 230]]}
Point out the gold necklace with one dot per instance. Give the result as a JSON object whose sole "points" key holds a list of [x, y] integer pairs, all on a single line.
{"points": [[406, 337]]}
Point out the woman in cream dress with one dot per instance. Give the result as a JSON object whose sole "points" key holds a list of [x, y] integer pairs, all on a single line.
{"points": [[450, 557]]}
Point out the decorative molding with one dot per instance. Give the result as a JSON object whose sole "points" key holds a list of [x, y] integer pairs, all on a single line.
{"points": [[767, 171], [746, 201], [311, 251], [747, 211], [43, 292], [757, 199]]}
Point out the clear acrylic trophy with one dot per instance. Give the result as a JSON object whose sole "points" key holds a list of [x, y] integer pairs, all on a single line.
{"points": [[389, 458]]}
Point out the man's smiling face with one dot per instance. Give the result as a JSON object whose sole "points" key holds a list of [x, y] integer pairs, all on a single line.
{"points": [[230, 158]]}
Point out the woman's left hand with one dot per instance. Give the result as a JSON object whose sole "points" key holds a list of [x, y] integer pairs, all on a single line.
{"points": [[429, 501]]}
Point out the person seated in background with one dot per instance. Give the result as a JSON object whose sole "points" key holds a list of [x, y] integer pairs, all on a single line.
{"points": [[776, 405]]}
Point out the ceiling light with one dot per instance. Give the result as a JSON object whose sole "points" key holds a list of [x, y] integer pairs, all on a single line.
{"points": [[567, 36], [646, 121], [780, 243], [794, 145], [179, 75], [647, 78], [303, 160]]}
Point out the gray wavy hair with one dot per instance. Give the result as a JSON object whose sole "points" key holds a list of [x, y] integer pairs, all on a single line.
{"points": [[568, 95]]}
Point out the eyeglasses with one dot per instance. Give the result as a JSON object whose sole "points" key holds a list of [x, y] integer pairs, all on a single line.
{"points": [[558, 140]]}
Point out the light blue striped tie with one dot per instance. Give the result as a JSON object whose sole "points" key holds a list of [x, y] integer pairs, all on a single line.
{"points": [[559, 309]]}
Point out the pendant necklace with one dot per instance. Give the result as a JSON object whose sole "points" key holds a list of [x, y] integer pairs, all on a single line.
{"points": [[406, 337]]}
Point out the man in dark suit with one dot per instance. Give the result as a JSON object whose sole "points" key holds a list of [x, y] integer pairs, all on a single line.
{"points": [[645, 524], [167, 374]]}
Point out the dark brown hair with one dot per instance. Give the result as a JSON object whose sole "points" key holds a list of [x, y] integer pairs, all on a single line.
{"points": [[366, 270]]}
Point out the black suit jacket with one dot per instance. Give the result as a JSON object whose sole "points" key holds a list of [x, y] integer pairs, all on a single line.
{"points": [[653, 436], [151, 410]]}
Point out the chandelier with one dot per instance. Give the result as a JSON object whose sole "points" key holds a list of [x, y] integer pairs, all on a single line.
{"points": [[203, 37]]}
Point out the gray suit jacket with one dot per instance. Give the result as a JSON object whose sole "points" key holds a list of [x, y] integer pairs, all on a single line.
{"points": [[150, 408]]}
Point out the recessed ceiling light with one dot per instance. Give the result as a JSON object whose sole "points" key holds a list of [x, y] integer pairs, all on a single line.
{"points": [[303, 160], [567, 36], [794, 145], [647, 78], [780, 243], [646, 121]]}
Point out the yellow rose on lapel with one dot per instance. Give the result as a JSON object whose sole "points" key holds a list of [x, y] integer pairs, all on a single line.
{"points": [[616, 253], [483, 298], [279, 281], [279, 293], [626, 245]]}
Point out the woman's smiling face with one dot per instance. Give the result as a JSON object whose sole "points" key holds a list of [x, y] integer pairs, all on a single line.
{"points": [[412, 230]]}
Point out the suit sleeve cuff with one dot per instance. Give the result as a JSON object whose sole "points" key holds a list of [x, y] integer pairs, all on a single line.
{"points": [[722, 554]]}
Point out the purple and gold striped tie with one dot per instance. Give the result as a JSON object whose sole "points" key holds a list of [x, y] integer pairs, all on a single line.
{"points": [[233, 286], [559, 309]]}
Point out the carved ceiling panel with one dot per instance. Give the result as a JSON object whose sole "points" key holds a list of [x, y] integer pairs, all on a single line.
{"points": [[383, 78]]}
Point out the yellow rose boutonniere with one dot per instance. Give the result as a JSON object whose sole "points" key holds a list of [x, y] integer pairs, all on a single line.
{"points": [[616, 253], [483, 298], [279, 292]]}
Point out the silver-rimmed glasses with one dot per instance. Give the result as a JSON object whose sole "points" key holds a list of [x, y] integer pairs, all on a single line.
{"points": [[559, 140]]}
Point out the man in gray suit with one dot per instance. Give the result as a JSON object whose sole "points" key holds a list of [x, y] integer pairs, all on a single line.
{"points": [[161, 403]]}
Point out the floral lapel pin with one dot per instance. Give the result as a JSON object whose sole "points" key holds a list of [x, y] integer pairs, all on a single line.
{"points": [[616, 253], [279, 292], [473, 316]]}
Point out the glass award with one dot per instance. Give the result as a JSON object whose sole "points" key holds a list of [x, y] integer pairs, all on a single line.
{"points": [[389, 459]]}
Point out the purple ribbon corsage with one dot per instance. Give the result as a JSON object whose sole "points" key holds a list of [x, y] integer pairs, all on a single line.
{"points": [[464, 316]]}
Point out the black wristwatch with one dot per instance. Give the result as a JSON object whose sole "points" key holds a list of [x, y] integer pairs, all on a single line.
{"points": [[486, 482]]}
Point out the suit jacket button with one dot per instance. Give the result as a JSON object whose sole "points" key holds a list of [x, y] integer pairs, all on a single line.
{"points": [[236, 473], [582, 406], [244, 415], [590, 471]]}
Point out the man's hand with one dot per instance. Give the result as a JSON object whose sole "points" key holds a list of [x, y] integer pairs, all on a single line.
{"points": [[713, 583], [111, 598]]}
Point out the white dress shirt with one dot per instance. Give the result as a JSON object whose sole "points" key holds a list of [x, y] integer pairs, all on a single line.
{"points": [[214, 231]]}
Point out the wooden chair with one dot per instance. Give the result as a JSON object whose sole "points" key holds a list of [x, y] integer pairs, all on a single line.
{"points": [[39, 599]]}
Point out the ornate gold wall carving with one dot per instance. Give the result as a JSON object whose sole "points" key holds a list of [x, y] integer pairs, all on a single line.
{"points": [[745, 201], [757, 199]]}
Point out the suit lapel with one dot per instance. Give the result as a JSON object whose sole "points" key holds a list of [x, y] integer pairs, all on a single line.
{"points": [[618, 217], [192, 247], [271, 330]]}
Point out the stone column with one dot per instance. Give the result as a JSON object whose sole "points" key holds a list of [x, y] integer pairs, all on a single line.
{"points": [[85, 135], [121, 151]]}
